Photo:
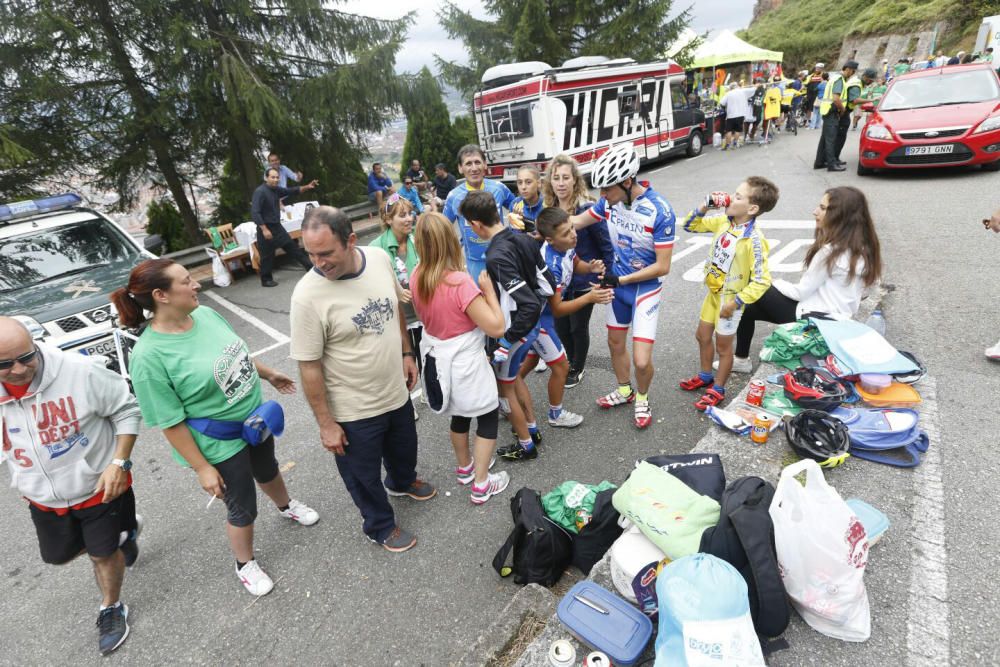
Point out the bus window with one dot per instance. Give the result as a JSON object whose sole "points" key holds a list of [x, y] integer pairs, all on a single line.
{"points": [[628, 102], [678, 98], [511, 119]]}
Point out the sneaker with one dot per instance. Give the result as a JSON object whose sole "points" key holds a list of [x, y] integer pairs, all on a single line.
{"points": [[112, 628], [130, 548], [254, 579], [536, 437], [419, 490], [541, 367], [495, 483], [467, 475], [300, 512], [614, 399], [993, 352], [739, 365], [398, 541], [516, 452], [566, 419], [573, 377], [643, 415]]}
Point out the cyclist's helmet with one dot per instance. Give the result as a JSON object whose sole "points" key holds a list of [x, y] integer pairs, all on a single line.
{"points": [[815, 388], [816, 435], [614, 166], [914, 376]]}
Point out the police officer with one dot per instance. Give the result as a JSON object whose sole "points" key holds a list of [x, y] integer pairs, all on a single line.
{"points": [[841, 93]]}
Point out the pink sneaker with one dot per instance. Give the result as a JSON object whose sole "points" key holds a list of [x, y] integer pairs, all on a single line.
{"points": [[495, 483]]}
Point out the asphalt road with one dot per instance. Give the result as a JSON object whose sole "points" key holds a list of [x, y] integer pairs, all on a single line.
{"points": [[340, 600]]}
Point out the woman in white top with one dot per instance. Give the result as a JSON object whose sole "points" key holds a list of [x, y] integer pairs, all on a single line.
{"points": [[843, 260]]}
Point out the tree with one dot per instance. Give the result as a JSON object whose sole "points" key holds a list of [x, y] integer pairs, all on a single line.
{"points": [[170, 91], [554, 30], [429, 134]]}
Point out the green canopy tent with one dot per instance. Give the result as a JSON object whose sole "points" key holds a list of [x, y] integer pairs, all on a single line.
{"points": [[727, 48]]}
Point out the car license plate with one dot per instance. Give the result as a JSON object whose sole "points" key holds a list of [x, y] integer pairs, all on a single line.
{"points": [[510, 174], [930, 150], [104, 347]]}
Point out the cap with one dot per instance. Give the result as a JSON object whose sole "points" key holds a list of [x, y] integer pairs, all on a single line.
{"points": [[820, 65], [870, 73], [851, 64]]}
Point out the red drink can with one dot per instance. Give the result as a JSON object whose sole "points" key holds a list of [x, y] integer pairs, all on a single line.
{"points": [[755, 394], [720, 199]]}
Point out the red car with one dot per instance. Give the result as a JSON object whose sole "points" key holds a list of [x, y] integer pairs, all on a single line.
{"points": [[935, 117]]}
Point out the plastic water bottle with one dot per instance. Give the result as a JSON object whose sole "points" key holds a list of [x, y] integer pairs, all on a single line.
{"points": [[877, 321]]}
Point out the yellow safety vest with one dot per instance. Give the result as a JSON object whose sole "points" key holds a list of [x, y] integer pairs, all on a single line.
{"points": [[827, 100], [853, 82]]}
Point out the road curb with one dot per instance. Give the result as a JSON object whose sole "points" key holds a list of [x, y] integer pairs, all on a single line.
{"points": [[740, 458]]}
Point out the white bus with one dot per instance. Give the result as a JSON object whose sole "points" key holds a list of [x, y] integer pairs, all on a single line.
{"points": [[526, 113]]}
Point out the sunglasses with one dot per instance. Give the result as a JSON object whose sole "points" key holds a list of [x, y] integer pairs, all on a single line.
{"points": [[391, 201], [24, 360]]}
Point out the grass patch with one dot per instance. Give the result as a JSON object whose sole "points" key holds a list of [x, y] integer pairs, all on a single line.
{"points": [[531, 626]]}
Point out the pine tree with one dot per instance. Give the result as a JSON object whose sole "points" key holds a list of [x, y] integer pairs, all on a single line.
{"points": [[429, 134], [553, 31]]}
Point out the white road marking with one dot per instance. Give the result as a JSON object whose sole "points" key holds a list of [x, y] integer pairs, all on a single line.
{"points": [[695, 157], [693, 244], [656, 171], [268, 349], [233, 308], [776, 260], [928, 639], [787, 224]]}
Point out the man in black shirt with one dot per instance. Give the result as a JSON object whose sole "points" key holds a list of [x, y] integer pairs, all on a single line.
{"points": [[271, 235], [416, 174], [443, 184]]}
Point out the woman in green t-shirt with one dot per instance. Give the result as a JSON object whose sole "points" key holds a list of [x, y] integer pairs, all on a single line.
{"points": [[189, 363]]}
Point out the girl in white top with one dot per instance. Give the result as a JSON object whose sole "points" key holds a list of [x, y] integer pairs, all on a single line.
{"points": [[843, 260]]}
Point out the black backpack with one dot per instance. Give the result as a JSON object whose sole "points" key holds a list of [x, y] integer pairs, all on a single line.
{"points": [[594, 539], [542, 549], [744, 538]]}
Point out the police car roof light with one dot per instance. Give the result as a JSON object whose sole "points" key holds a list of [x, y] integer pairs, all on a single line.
{"points": [[21, 209]]}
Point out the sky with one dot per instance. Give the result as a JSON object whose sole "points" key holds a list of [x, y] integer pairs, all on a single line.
{"points": [[427, 38]]}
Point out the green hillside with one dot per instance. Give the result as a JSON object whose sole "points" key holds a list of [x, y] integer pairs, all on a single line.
{"points": [[810, 30]]}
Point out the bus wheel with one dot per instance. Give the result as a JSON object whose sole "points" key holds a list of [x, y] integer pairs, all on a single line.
{"points": [[695, 144]]}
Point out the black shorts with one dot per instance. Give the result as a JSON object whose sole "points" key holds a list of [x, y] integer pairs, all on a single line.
{"points": [[94, 529], [239, 472], [734, 124]]}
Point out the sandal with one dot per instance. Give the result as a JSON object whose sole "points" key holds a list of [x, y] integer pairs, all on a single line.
{"points": [[695, 382], [709, 398]]}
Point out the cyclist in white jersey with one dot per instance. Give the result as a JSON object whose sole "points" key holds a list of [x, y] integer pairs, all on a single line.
{"points": [[641, 225]]}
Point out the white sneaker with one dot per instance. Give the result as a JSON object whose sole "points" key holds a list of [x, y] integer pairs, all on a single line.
{"points": [[993, 352], [254, 579], [542, 366], [298, 511], [468, 475], [566, 419], [739, 365], [495, 483]]}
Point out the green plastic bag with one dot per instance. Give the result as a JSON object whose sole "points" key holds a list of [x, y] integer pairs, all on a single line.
{"points": [[571, 504], [667, 511]]}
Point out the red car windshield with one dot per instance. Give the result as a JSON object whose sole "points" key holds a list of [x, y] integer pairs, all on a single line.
{"points": [[966, 87]]}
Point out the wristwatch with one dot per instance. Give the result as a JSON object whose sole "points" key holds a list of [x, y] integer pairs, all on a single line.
{"points": [[124, 464], [410, 354]]}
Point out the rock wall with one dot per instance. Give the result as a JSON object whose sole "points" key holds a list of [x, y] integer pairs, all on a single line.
{"points": [[870, 50], [762, 7]]}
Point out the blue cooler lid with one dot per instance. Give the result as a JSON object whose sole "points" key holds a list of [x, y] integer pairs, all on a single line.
{"points": [[622, 633], [874, 521]]}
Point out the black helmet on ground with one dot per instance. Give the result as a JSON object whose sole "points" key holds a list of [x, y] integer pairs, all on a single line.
{"points": [[816, 435]]}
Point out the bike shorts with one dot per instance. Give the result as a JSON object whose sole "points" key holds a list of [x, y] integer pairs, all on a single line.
{"points": [[710, 313], [547, 345], [507, 371], [638, 306]]}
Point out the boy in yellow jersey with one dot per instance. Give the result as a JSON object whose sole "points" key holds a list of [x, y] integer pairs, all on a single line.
{"points": [[736, 273]]}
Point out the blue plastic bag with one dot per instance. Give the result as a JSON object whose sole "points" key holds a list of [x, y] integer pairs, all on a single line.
{"points": [[704, 616]]}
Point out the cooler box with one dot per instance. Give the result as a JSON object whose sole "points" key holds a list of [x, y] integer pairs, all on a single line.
{"points": [[622, 633]]}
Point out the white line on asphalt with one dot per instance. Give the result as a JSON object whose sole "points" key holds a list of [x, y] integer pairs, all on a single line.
{"points": [[787, 224], [232, 307], [693, 244], [927, 631], [268, 349], [776, 261], [656, 171], [695, 157]]}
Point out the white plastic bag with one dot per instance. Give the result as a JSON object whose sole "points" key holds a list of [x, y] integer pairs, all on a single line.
{"points": [[822, 552], [220, 276]]}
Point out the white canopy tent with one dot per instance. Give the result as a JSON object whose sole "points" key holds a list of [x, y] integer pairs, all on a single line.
{"points": [[727, 48]]}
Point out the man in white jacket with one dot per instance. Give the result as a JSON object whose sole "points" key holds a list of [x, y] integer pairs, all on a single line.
{"points": [[68, 427]]}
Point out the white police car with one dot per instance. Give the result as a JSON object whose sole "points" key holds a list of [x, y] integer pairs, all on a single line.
{"points": [[59, 261]]}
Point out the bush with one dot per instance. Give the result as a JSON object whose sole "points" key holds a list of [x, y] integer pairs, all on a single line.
{"points": [[163, 218]]}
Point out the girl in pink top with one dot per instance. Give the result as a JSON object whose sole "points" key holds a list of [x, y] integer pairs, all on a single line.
{"points": [[450, 305]]}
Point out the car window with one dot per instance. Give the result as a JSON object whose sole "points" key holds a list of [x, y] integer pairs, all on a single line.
{"points": [[40, 255], [931, 91]]}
